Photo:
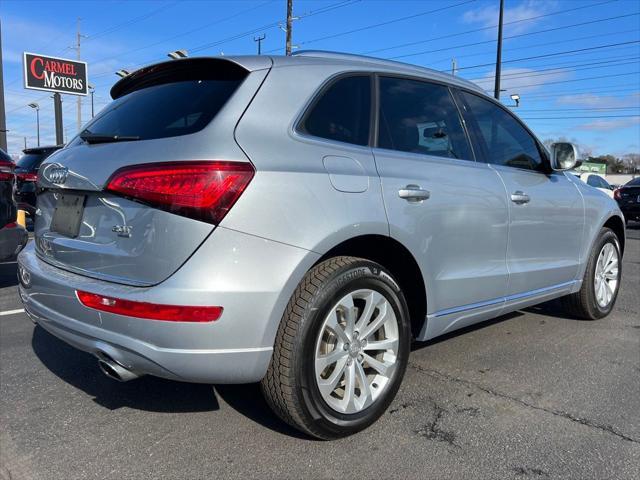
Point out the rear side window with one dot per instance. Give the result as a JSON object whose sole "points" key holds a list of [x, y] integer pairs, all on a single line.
{"points": [[506, 141], [420, 117], [343, 112], [597, 181], [593, 180], [170, 104]]}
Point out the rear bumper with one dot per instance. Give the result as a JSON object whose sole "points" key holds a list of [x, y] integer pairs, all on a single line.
{"points": [[252, 278], [26, 201], [12, 240], [630, 211]]}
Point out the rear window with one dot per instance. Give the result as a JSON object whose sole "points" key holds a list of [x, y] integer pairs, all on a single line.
{"points": [[634, 183], [169, 103], [31, 161], [342, 112]]}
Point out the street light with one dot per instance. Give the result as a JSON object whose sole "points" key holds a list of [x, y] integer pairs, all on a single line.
{"points": [[516, 98], [123, 73], [91, 91], [37, 108], [178, 54]]}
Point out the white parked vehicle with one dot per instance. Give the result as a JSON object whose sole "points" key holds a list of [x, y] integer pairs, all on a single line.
{"points": [[596, 181]]}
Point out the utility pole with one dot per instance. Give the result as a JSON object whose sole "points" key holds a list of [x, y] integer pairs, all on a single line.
{"points": [[496, 91], [3, 121], [78, 37], [454, 66], [289, 25], [25, 143], [259, 40], [57, 108]]}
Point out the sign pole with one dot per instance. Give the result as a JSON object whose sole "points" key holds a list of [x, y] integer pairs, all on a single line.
{"points": [[57, 108]]}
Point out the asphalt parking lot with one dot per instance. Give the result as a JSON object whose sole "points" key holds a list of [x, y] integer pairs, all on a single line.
{"points": [[529, 395]]}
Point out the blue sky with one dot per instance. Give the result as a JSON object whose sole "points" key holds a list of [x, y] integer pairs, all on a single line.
{"points": [[565, 58]]}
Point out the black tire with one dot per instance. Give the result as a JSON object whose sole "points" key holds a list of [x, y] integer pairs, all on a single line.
{"points": [[583, 304], [289, 386]]}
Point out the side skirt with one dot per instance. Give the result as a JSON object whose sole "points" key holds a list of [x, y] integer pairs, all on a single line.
{"points": [[445, 321]]}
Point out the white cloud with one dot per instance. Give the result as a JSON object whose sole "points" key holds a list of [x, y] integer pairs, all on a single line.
{"points": [[520, 80], [599, 101], [609, 124], [487, 15]]}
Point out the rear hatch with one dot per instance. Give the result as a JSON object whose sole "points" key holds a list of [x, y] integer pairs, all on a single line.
{"points": [[134, 195]]}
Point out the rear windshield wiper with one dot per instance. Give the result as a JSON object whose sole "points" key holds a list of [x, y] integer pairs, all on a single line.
{"points": [[89, 137]]}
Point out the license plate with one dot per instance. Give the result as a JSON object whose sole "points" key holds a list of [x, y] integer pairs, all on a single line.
{"points": [[67, 217]]}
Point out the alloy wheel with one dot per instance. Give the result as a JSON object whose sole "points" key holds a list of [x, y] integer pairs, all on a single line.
{"points": [[356, 351], [606, 275]]}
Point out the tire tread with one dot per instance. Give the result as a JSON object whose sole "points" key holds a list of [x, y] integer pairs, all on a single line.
{"points": [[279, 381]]}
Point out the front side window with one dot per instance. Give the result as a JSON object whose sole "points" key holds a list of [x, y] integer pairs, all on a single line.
{"points": [[343, 112], [420, 117], [506, 141]]}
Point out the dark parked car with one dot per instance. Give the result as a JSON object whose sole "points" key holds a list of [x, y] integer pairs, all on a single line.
{"points": [[12, 236], [27, 173], [628, 198]]}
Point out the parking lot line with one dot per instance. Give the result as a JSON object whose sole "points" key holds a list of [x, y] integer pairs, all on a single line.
{"points": [[11, 312]]}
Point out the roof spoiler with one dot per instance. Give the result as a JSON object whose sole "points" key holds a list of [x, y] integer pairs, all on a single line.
{"points": [[153, 74]]}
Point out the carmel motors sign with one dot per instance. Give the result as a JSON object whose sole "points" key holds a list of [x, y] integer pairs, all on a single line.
{"points": [[55, 74]]}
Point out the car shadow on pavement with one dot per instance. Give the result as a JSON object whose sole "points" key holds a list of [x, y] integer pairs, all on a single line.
{"points": [[554, 308], [249, 401], [149, 393], [418, 345]]}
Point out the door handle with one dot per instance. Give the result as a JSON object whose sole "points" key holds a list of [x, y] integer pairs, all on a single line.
{"points": [[519, 197], [413, 193]]}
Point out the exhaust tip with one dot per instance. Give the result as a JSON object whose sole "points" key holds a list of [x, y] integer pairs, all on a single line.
{"points": [[114, 370], [109, 371]]}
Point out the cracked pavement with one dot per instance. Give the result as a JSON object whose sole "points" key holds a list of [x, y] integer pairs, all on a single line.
{"points": [[531, 395]]}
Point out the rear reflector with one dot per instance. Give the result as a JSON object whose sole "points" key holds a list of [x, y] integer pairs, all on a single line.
{"points": [[202, 190], [150, 311], [27, 177]]}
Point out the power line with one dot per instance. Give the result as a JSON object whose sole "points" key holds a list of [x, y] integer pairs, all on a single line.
{"points": [[381, 24], [188, 32], [553, 54], [555, 71], [527, 110], [131, 21], [581, 117], [573, 92], [579, 79], [262, 28], [528, 47], [485, 28], [472, 44]]}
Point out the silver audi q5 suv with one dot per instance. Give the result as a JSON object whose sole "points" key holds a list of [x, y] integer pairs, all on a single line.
{"points": [[297, 221]]}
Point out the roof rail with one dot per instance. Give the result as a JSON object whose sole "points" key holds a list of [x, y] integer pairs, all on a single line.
{"points": [[383, 62]]}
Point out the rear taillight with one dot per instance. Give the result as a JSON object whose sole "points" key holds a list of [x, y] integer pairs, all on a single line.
{"points": [[617, 194], [149, 311], [202, 190], [6, 171]]}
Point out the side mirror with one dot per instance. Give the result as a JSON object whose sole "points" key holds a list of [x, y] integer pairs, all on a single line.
{"points": [[564, 156]]}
